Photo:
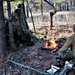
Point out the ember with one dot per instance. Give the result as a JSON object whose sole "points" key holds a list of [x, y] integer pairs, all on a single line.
{"points": [[51, 44]]}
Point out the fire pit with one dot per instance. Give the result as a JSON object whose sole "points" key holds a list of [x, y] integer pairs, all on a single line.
{"points": [[50, 45]]}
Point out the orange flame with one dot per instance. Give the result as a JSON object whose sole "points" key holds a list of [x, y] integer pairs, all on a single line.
{"points": [[51, 44]]}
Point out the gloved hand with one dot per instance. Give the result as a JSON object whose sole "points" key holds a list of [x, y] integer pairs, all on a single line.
{"points": [[68, 64]]}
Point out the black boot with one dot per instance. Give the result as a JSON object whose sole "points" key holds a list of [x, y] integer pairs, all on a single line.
{"points": [[58, 63]]}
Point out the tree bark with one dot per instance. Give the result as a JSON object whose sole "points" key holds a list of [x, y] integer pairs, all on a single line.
{"points": [[25, 15], [3, 45], [51, 5], [51, 14], [51, 20], [27, 11], [32, 20], [25, 29], [41, 7], [31, 16], [11, 37]]}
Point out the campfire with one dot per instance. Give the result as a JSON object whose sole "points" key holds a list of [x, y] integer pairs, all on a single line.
{"points": [[51, 44]]}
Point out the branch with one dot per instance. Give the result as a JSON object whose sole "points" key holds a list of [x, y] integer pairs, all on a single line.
{"points": [[50, 5], [28, 67]]}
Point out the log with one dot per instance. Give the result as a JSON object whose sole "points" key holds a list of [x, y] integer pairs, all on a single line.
{"points": [[29, 68]]}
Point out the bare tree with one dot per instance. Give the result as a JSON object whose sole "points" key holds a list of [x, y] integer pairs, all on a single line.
{"points": [[51, 13]]}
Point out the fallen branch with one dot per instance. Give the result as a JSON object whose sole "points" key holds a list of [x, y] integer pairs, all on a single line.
{"points": [[29, 68]]}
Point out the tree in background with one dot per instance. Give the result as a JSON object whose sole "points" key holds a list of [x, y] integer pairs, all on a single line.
{"points": [[51, 13]]}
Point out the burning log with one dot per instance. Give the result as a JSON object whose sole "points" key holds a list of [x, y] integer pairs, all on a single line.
{"points": [[51, 45]]}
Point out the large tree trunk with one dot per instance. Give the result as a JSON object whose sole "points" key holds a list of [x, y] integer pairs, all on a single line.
{"points": [[3, 45], [11, 37]]}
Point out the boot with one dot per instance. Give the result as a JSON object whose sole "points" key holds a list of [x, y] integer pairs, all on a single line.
{"points": [[58, 63]]}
